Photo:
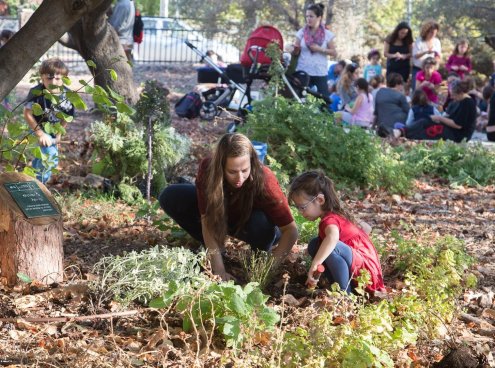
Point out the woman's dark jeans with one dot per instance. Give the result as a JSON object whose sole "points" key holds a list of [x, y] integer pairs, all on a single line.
{"points": [[180, 202], [337, 265]]}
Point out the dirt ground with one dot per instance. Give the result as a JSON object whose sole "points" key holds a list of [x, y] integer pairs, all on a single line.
{"points": [[93, 231]]}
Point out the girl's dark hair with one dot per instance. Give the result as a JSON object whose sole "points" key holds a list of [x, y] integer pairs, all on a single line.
{"points": [[363, 85], [487, 92], [394, 79], [461, 42], [7, 34], [419, 98], [377, 80], [429, 61], [317, 9], [316, 182], [460, 86], [373, 52], [392, 37]]}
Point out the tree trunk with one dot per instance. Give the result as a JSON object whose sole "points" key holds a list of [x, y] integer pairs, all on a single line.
{"points": [[95, 39], [32, 246], [48, 23]]}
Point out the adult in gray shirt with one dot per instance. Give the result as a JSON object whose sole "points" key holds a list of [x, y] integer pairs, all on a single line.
{"points": [[122, 19], [391, 105]]}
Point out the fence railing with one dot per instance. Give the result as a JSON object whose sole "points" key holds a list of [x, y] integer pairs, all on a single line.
{"points": [[159, 45]]}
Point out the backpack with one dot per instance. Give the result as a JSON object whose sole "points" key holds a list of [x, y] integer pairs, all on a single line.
{"points": [[189, 105], [138, 30]]}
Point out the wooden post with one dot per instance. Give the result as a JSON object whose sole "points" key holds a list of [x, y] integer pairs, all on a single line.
{"points": [[32, 246]]}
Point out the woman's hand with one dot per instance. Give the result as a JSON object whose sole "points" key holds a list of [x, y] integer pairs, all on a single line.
{"points": [[315, 48], [45, 140], [454, 67], [436, 118]]}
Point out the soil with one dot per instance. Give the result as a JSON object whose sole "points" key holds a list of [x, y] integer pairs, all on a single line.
{"points": [[94, 229]]}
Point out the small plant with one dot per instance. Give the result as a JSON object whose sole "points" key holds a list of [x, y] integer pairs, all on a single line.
{"points": [[258, 265], [307, 229], [159, 271]]}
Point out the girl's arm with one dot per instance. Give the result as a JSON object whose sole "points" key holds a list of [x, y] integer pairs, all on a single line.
{"points": [[449, 63], [410, 117], [286, 242], [326, 248], [386, 50], [214, 253], [357, 104]]}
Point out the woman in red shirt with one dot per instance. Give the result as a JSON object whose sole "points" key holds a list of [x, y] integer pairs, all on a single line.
{"points": [[342, 245], [236, 195]]}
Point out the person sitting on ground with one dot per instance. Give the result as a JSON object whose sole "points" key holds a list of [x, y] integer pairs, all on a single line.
{"points": [[460, 62], [391, 105], [457, 125], [420, 108], [490, 126], [345, 87], [335, 98], [373, 68], [485, 108], [361, 113], [334, 73], [377, 83], [429, 80], [451, 78], [236, 195], [343, 245], [51, 73]]}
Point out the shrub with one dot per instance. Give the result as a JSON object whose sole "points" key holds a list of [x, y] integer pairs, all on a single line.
{"points": [[461, 164], [301, 137]]}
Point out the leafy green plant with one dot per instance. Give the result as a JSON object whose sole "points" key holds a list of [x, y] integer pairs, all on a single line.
{"points": [[302, 137], [460, 163], [158, 272], [238, 312], [307, 229]]}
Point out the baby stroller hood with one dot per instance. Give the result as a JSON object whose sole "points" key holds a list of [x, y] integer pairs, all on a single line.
{"points": [[258, 42]]}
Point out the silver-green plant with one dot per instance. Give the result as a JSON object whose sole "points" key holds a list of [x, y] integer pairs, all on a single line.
{"points": [[258, 266]]}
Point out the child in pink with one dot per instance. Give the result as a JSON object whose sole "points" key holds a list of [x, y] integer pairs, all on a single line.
{"points": [[460, 62], [429, 80], [361, 112], [343, 245]]}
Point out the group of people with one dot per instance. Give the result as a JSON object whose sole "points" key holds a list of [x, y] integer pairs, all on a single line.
{"points": [[411, 99], [236, 195]]}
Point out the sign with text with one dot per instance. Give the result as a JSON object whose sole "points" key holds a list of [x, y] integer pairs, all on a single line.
{"points": [[31, 199]]}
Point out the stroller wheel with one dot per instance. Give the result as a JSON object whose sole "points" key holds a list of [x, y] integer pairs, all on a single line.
{"points": [[232, 127], [208, 110]]}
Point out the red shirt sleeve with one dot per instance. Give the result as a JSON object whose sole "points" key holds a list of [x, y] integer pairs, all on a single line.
{"points": [[436, 78], [449, 62], [275, 204], [420, 76]]}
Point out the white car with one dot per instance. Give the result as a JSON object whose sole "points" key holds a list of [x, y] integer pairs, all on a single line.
{"points": [[164, 41]]}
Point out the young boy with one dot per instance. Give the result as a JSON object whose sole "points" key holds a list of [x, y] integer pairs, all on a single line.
{"points": [[51, 72], [373, 68]]}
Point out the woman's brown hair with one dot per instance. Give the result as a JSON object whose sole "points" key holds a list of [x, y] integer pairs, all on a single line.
{"points": [[346, 79], [427, 27], [315, 182], [231, 145]]}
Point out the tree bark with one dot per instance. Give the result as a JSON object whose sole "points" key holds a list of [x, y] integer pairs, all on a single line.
{"points": [[47, 24], [95, 39], [33, 246]]}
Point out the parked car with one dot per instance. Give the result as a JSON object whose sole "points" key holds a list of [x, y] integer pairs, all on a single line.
{"points": [[164, 41]]}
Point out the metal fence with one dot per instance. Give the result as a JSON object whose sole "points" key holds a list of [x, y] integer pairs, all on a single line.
{"points": [[163, 43]]}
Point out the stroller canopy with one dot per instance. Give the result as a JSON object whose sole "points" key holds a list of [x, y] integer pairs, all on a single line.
{"points": [[260, 37]]}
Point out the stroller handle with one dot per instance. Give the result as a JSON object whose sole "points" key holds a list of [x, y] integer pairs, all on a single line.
{"points": [[189, 44]]}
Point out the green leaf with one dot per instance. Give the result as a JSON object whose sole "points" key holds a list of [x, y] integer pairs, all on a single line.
{"points": [[124, 108], [24, 278], [37, 110], [76, 100], [158, 303], [66, 81], [91, 63], [65, 117], [232, 328], [113, 74], [238, 305], [269, 316], [37, 153], [28, 170]]}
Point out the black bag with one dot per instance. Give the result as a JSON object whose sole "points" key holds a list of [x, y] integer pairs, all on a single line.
{"points": [[189, 105]]}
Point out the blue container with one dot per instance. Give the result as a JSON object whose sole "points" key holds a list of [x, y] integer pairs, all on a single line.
{"points": [[261, 149]]}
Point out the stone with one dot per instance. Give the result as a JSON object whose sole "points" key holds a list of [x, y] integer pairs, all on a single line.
{"points": [[94, 181]]}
